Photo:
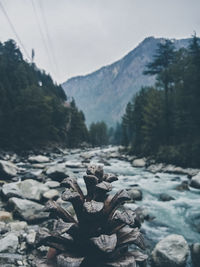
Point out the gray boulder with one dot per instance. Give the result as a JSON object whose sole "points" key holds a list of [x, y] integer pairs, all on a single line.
{"points": [[38, 159], [139, 162], [195, 253], [183, 186], [135, 194], [165, 197], [7, 169], [59, 172], [9, 243], [29, 189], [171, 251], [195, 181], [51, 194], [28, 210]]}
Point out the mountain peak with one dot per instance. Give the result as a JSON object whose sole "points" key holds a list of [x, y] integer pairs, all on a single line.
{"points": [[104, 93]]}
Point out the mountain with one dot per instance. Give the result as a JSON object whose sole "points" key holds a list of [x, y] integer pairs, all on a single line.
{"points": [[104, 94]]}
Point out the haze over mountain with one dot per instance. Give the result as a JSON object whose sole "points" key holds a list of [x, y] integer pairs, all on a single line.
{"points": [[104, 94]]}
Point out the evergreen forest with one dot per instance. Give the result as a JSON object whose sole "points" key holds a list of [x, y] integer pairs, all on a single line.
{"points": [[163, 121], [34, 111]]}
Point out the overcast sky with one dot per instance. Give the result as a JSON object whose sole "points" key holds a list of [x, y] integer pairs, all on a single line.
{"points": [[80, 36]]}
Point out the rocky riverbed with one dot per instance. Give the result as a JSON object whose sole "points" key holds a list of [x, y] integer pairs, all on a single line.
{"points": [[166, 198]]}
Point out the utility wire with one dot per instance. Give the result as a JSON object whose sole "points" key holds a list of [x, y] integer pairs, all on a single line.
{"points": [[48, 36], [13, 29], [41, 32]]}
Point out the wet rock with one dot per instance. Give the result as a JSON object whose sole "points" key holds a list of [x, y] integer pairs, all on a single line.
{"points": [[195, 253], [38, 159], [165, 197], [9, 243], [28, 210], [59, 172], [176, 179], [143, 214], [51, 194], [8, 169], [162, 167], [139, 162], [17, 226], [74, 164], [154, 168], [135, 194], [3, 228], [183, 186], [5, 216], [171, 251], [28, 189], [30, 238], [10, 259], [52, 184], [104, 162], [195, 181]]}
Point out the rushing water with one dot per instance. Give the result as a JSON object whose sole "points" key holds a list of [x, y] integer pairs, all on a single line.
{"points": [[176, 216]]}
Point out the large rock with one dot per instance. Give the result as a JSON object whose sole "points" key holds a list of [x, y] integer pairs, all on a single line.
{"points": [[171, 251], [195, 181], [28, 210], [59, 172], [139, 162], [7, 169], [5, 216], [165, 197], [73, 164], [169, 168], [29, 189], [183, 186], [17, 226], [38, 159], [195, 253], [135, 194], [9, 243]]}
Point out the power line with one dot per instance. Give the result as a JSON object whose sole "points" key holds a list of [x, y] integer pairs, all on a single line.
{"points": [[48, 35], [41, 32], [13, 29]]}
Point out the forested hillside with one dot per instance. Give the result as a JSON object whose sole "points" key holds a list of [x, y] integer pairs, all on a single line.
{"points": [[163, 121], [109, 89], [33, 110]]}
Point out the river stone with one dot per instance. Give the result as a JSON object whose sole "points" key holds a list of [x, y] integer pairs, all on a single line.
{"points": [[165, 197], [74, 164], [139, 162], [38, 159], [9, 243], [30, 238], [52, 184], [28, 189], [195, 253], [17, 226], [7, 169], [5, 216], [28, 210], [171, 251], [195, 181], [183, 186], [59, 172], [51, 194], [135, 194], [3, 228]]}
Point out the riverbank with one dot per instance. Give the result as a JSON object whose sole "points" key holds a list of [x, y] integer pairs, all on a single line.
{"points": [[30, 180]]}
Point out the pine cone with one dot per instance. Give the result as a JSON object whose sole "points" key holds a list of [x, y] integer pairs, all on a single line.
{"points": [[101, 231]]}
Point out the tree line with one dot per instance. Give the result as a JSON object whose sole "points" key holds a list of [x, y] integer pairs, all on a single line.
{"points": [[163, 121], [34, 111]]}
